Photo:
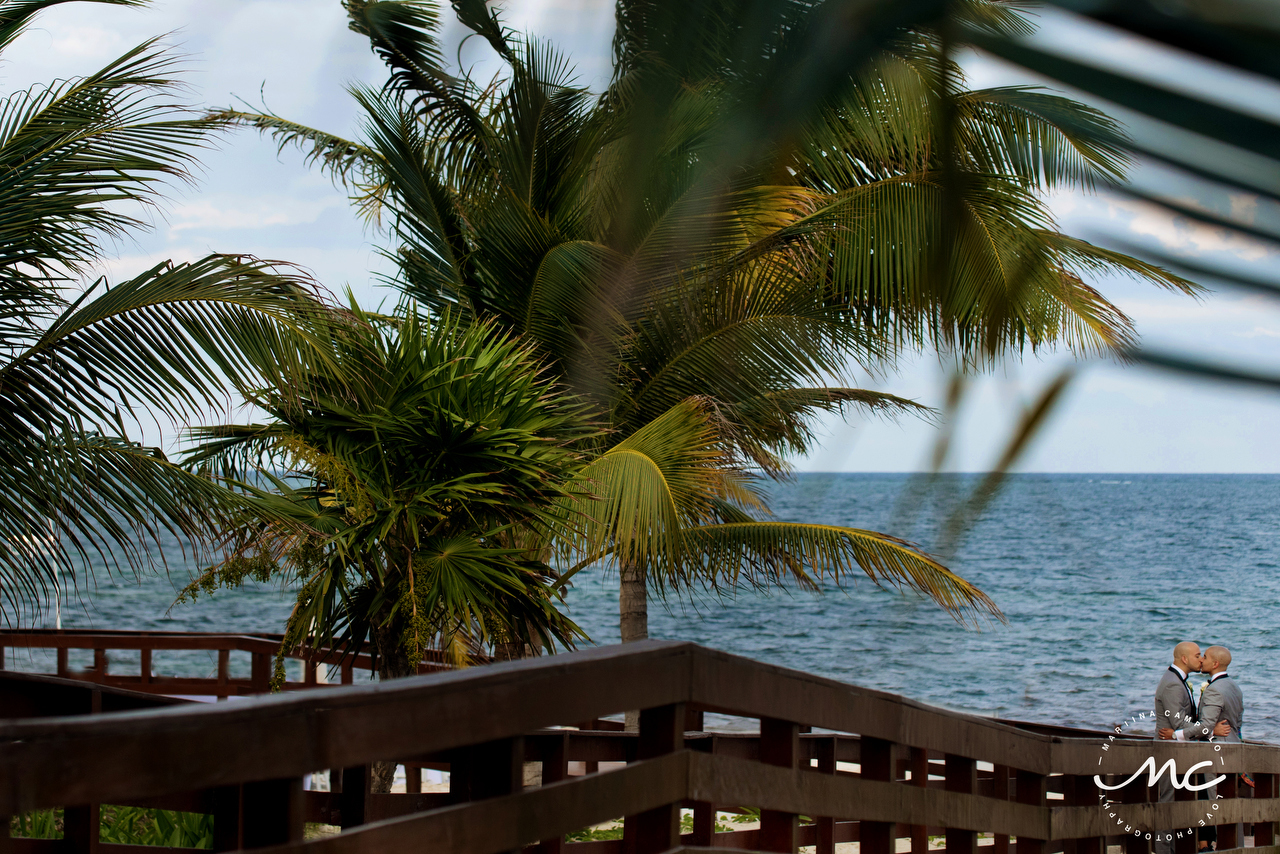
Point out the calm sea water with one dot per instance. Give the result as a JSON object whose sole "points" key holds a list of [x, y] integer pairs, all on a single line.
{"points": [[1098, 575]]}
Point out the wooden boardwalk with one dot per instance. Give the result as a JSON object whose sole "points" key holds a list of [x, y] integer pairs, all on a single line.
{"points": [[260, 648], [881, 769]]}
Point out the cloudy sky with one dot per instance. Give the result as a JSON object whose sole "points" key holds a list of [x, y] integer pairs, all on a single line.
{"points": [[297, 57]]}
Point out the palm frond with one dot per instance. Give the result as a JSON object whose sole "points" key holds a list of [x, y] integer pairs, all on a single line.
{"points": [[167, 340], [806, 552], [70, 154], [346, 162]]}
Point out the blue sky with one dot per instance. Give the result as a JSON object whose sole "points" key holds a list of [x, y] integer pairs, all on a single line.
{"points": [[297, 56]]}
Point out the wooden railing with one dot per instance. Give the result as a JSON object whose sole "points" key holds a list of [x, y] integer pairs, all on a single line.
{"points": [[884, 768], [261, 648]]}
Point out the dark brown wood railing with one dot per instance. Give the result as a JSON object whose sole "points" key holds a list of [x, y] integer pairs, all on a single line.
{"points": [[261, 648], [884, 769]]}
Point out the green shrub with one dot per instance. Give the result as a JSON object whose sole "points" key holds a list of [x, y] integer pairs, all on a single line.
{"points": [[39, 824], [126, 826]]}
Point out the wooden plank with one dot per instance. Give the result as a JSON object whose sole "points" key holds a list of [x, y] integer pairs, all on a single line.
{"points": [[353, 800], [733, 685], [1075, 822], [47, 764], [511, 822], [554, 754], [80, 829], [228, 818], [1264, 833], [726, 780], [878, 837], [825, 830], [271, 813], [1030, 790], [779, 748], [1000, 790], [961, 777], [1227, 832], [656, 829], [919, 759]]}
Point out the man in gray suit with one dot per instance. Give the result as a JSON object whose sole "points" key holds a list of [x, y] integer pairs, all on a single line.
{"points": [[1175, 713], [1221, 701]]}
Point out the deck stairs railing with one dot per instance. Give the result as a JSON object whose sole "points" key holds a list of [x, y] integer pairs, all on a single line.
{"points": [[887, 772]]}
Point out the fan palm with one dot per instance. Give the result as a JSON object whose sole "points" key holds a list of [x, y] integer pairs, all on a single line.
{"points": [[80, 362], [675, 275]]}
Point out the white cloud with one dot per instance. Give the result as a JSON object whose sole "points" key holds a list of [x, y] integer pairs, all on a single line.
{"points": [[234, 213], [1186, 235]]}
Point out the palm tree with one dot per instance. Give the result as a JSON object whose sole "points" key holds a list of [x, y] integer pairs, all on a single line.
{"points": [[406, 492], [695, 287], [82, 362]]}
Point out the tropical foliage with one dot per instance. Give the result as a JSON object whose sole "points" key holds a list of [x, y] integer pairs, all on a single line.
{"points": [[407, 492], [702, 315], [705, 277], [83, 359]]}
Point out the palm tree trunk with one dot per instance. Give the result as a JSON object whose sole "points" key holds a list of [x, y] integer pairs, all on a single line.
{"points": [[393, 663], [633, 612], [633, 603]]}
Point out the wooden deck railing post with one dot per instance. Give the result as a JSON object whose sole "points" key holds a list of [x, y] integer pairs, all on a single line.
{"points": [[1031, 789], [144, 667], [1081, 792], [81, 826], [826, 830], [1000, 791], [693, 718], [555, 767], [779, 745], [272, 812], [100, 665], [920, 778], [1264, 832], [260, 673], [656, 830], [495, 768], [878, 837], [224, 672], [1183, 842], [1227, 837], [961, 776], [353, 803], [227, 819], [1135, 794], [62, 661]]}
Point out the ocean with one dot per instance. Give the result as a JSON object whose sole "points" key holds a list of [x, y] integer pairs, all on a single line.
{"points": [[1098, 577]]}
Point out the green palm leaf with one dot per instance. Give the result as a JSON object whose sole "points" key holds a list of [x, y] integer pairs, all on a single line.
{"points": [[767, 550]]}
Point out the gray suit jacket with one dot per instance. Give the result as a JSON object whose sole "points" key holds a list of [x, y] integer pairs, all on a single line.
{"points": [[1174, 707], [1221, 700]]}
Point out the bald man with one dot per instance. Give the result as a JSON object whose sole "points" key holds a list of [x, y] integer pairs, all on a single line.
{"points": [[1221, 701], [1175, 707], [1176, 715]]}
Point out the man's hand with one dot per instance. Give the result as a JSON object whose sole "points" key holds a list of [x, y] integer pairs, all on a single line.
{"points": [[1222, 729], [1164, 733]]}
